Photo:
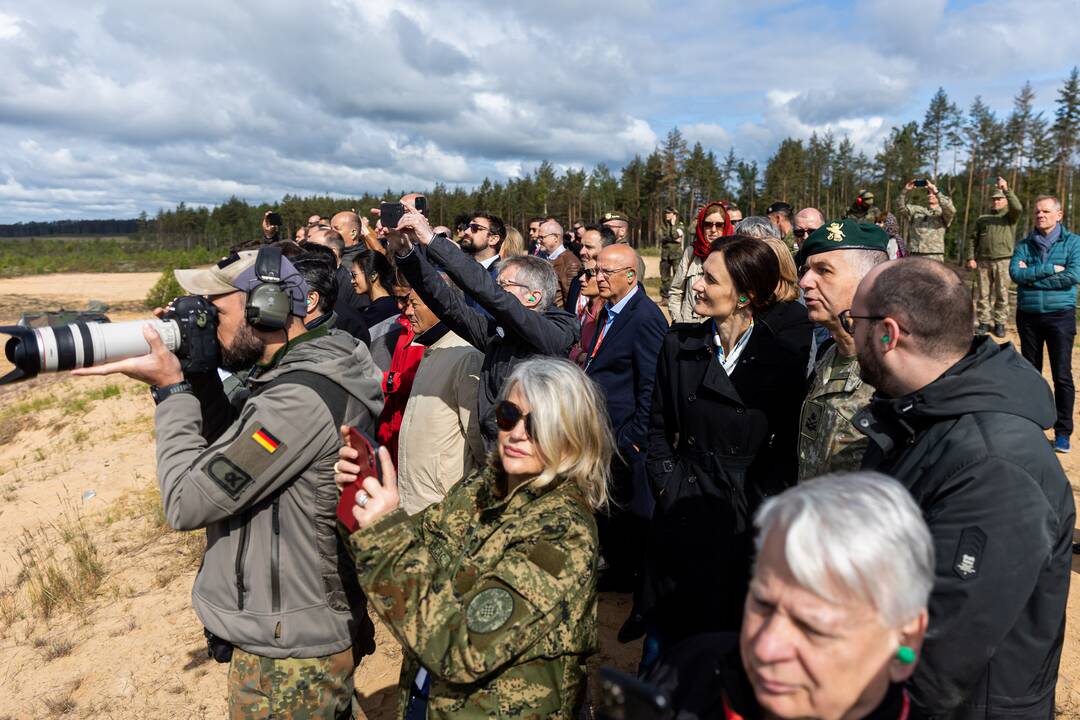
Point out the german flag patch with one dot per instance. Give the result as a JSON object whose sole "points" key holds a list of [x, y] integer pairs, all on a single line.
{"points": [[268, 442]]}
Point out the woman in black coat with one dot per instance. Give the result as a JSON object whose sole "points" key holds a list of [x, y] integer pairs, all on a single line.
{"points": [[723, 436]]}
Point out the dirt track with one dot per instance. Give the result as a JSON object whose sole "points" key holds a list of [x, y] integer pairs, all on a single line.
{"points": [[136, 651]]}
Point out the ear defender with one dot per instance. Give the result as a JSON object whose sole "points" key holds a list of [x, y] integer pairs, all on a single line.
{"points": [[884, 338], [905, 655]]}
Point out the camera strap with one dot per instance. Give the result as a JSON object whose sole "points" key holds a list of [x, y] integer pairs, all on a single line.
{"points": [[335, 397]]}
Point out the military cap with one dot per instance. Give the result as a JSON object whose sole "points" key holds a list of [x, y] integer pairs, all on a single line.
{"points": [[846, 234], [864, 198], [614, 215], [998, 193], [778, 207], [671, 210]]}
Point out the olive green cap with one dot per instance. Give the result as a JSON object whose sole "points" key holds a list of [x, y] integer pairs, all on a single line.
{"points": [[614, 215], [846, 234], [998, 193]]}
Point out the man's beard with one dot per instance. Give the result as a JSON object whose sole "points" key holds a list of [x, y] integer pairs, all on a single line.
{"points": [[872, 371], [245, 350], [468, 247]]}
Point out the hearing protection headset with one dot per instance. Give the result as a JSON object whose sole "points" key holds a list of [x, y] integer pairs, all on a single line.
{"points": [[269, 302]]}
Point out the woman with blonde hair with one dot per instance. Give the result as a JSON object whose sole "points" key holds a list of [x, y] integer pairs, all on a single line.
{"points": [[513, 244], [492, 592]]}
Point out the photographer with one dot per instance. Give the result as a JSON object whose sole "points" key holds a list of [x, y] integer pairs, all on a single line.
{"points": [[274, 591]]}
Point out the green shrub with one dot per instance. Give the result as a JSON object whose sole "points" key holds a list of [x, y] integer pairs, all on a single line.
{"points": [[164, 290]]}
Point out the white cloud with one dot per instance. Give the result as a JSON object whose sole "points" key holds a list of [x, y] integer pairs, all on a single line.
{"points": [[111, 108]]}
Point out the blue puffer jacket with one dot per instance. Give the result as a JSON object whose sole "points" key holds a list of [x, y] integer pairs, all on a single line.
{"points": [[1039, 288]]}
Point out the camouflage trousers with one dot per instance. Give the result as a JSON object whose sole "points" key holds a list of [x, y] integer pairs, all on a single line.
{"points": [[291, 688], [670, 255], [940, 257], [992, 288]]}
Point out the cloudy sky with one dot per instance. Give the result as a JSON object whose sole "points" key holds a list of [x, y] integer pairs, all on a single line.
{"points": [[110, 108]]}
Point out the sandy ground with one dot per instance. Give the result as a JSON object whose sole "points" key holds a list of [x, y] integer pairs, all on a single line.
{"points": [[83, 456]]}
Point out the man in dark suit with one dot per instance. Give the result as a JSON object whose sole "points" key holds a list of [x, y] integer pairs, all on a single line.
{"points": [[622, 361]]}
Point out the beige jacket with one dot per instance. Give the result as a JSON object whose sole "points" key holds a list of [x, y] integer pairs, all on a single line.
{"points": [[439, 443], [681, 297]]}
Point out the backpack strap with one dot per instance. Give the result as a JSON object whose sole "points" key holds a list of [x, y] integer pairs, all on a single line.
{"points": [[335, 397]]}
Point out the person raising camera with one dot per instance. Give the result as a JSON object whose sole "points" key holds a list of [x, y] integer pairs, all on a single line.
{"points": [[275, 590]]}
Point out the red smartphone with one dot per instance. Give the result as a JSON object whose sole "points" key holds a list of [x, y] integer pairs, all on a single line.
{"points": [[368, 460]]}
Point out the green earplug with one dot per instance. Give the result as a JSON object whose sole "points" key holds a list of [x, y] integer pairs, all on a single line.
{"points": [[905, 655]]}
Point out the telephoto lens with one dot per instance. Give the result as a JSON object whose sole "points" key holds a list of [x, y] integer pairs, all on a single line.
{"points": [[188, 328], [79, 345]]}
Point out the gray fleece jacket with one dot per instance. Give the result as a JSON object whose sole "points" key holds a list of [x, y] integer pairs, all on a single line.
{"points": [[275, 580]]}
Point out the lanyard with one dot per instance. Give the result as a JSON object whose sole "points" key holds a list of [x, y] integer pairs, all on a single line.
{"points": [[600, 339]]}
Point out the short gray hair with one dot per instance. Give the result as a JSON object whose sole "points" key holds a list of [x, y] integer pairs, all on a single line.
{"points": [[757, 227], [855, 534], [862, 261], [537, 274], [1057, 203]]}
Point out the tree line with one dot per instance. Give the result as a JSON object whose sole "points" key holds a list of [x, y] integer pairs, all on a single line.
{"points": [[962, 151]]}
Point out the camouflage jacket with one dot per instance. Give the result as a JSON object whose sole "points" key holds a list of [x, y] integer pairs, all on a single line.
{"points": [[671, 233], [494, 596], [928, 225], [828, 442]]}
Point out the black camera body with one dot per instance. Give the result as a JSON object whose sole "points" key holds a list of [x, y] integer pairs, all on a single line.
{"points": [[197, 318]]}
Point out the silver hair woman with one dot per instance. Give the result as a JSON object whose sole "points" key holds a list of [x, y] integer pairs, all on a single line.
{"points": [[492, 592], [836, 613]]}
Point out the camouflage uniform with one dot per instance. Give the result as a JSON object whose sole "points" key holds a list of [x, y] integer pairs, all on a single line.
{"points": [[671, 250], [296, 688], [494, 597], [928, 225], [828, 442]]}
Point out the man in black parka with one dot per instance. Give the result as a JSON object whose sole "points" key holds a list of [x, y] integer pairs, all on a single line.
{"points": [[961, 423]]}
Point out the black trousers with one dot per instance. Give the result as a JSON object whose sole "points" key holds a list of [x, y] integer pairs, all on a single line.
{"points": [[1056, 330]]}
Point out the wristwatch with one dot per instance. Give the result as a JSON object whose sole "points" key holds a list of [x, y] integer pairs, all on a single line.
{"points": [[160, 393]]}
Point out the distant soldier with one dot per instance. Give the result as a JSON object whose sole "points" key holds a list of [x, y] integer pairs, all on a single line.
{"points": [[990, 248], [834, 259], [863, 208], [928, 224], [672, 233]]}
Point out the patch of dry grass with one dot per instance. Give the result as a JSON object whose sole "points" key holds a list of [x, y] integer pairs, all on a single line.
{"points": [[60, 565]]}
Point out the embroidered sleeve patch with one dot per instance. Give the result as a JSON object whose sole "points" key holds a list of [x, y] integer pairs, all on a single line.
{"points": [[268, 442], [489, 610], [228, 476], [969, 553]]}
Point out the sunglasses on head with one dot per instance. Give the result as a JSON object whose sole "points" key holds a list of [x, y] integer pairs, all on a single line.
{"points": [[507, 416]]}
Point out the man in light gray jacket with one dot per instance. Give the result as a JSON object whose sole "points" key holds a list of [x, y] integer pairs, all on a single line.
{"points": [[276, 590]]}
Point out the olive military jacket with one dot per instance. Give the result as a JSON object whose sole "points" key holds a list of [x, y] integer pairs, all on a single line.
{"points": [[828, 441], [994, 236], [495, 597], [927, 224]]}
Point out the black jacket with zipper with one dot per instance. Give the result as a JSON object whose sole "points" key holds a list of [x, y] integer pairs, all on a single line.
{"points": [[970, 447]]}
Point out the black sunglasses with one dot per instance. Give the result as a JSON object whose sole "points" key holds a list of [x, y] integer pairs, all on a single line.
{"points": [[802, 232], [588, 273], [477, 228], [507, 415]]}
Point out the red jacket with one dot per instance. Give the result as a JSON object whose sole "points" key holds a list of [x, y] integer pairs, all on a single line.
{"points": [[397, 384]]}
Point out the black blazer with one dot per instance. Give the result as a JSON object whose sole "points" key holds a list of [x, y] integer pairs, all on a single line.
{"points": [[625, 369], [718, 445]]}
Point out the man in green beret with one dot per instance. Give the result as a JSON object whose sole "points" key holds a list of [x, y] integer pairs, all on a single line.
{"points": [[833, 260], [988, 253], [672, 233]]}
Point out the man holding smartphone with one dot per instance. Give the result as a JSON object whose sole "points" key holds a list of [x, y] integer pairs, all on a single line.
{"points": [[928, 224], [988, 253]]}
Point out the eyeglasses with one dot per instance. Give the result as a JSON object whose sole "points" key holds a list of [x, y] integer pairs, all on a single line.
{"points": [[402, 300], [846, 317], [477, 228], [509, 283], [712, 226], [608, 272], [589, 273], [508, 415], [549, 235], [802, 232]]}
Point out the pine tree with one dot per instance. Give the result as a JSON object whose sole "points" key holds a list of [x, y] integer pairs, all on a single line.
{"points": [[935, 129], [1067, 135]]}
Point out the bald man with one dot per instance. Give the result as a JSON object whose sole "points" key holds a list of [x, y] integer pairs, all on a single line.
{"points": [[349, 305], [622, 361], [806, 221]]}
